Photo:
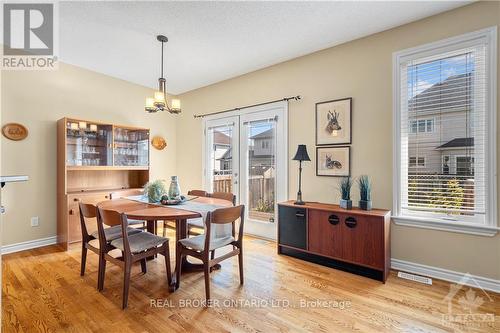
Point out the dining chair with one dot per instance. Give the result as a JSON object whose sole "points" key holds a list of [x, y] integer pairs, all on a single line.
{"points": [[134, 247], [224, 196], [128, 193], [191, 223], [201, 246], [91, 241]]}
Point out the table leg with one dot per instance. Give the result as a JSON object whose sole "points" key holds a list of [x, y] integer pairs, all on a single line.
{"points": [[151, 227]]}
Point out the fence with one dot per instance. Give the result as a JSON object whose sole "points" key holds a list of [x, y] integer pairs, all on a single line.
{"points": [[260, 191], [441, 192]]}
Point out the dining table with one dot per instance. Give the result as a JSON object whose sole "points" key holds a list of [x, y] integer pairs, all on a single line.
{"points": [[151, 213]]}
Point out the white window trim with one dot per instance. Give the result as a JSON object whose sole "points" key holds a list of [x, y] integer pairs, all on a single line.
{"points": [[491, 227]]}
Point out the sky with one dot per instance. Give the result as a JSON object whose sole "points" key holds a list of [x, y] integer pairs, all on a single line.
{"points": [[425, 75]]}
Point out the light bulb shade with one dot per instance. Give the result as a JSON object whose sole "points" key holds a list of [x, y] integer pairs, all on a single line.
{"points": [[93, 127], [176, 104], [82, 125], [159, 97], [74, 126], [150, 105], [301, 154]]}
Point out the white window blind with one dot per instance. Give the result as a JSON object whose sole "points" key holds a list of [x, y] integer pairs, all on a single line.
{"points": [[444, 107]]}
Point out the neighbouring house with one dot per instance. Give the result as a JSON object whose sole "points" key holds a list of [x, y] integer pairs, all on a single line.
{"points": [[440, 128]]}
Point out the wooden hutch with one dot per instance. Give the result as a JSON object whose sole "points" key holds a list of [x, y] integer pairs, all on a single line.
{"points": [[95, 159]]}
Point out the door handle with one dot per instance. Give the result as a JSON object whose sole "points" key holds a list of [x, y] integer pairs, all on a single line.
{"points": [[333, 219], [300, 214], [351, 222]]}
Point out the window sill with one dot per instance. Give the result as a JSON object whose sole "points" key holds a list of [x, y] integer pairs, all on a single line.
{"points": [[460, 227]]}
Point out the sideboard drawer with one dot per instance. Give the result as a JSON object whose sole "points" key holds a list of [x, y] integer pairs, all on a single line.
{"points": [[292, 227]]}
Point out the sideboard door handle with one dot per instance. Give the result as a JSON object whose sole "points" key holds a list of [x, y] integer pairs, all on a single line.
{"points": [[351, 222], [333, 219], [300, 214]]}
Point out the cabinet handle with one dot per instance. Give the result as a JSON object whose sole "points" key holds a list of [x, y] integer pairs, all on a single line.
{"points": [[106, 196], [300, 214], [351, 222], [333, 219], [71, 212], [76, 199]]}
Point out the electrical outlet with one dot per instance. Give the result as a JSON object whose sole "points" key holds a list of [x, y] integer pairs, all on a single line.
{"points": [[34, 221]]}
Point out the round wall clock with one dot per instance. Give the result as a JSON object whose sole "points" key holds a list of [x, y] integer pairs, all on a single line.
{"points": [[14, 131], [158, 142]]}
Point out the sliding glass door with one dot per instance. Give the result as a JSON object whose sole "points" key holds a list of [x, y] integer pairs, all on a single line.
{"points": [[252, 164]]}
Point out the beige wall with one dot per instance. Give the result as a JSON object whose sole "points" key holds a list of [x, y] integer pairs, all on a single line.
{"points": [[361, 69], [37, 99]]}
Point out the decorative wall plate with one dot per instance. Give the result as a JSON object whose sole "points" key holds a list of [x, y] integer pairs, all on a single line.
{"points": [[14, 131], [158, 142]]}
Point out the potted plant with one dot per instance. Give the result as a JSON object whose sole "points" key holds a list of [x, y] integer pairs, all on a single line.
{"points": [[154, 190], [365, 192], [345, 193]]}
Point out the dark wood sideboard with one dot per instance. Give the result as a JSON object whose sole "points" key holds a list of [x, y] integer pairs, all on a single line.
{"points": [[354, 240]]}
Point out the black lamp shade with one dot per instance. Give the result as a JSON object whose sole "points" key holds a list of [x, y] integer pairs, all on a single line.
{"points": [[301, 154]]}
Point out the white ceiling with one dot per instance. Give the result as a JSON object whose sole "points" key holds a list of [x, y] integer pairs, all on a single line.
{"points": [[214, 41]]}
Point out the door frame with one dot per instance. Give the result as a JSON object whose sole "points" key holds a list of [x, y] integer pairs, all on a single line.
{"points": [[283, 179]]}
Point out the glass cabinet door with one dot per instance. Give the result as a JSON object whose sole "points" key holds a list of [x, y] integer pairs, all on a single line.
{"points": [[131, 147], [88, 144]]}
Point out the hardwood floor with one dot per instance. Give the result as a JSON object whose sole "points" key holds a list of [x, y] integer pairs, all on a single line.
{"points": [[43, 292]]}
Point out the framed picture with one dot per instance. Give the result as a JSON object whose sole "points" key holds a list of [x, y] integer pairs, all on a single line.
{"points": [[333, 161], [333, 122]]}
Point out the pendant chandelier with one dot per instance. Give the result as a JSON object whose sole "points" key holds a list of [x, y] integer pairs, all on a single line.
{"points": [[159, 101]]}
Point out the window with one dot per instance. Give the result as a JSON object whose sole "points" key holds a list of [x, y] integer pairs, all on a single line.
{"points": [[422, 126], [416, 162], [446, 180]]}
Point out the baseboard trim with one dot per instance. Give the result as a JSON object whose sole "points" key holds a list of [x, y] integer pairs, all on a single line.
{"points": [[446, 275], [32, 244]]}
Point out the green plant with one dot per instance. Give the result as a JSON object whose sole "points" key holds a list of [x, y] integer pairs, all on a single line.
{"points": [[365, 188], [450, 196], [154, 190], [265, 206], [345, 185]]}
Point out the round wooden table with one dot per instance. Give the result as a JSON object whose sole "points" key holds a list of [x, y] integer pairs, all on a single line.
{"points": [[152, 213]]}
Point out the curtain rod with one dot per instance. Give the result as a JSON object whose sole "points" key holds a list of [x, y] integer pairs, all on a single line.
{"points": [[286, 99]]}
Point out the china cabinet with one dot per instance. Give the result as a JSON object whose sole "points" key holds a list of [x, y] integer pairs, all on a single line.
{"points": [[93, 160]]}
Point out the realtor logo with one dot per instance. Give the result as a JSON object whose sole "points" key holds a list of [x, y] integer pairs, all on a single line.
{"points": [[29, 35]]}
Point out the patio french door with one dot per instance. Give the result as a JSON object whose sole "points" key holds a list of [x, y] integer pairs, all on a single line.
{"points": [[246, 154]]}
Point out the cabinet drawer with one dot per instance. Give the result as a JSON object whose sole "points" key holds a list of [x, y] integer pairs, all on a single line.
{"points": [[325, 233], [292, 224]]}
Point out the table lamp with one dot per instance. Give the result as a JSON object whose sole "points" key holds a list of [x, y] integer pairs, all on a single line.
{"points": [[300, 156]]}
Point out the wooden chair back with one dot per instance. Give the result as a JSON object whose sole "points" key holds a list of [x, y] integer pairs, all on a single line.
{"points": [[87, 211], [198, 193], [224, 196], [225, 216], [111, 218], [126, 193]]}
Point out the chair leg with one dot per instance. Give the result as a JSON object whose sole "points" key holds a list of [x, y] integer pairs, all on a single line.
{"points": [[84, 259], [206, 271], [164, 229], [126, 284], [144, 268], [102, 272], [178, 265], [240, 264], [166, 254]]}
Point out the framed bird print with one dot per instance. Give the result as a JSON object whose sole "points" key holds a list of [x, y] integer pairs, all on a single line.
{"points": [[333, 122], [333, 161]]}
